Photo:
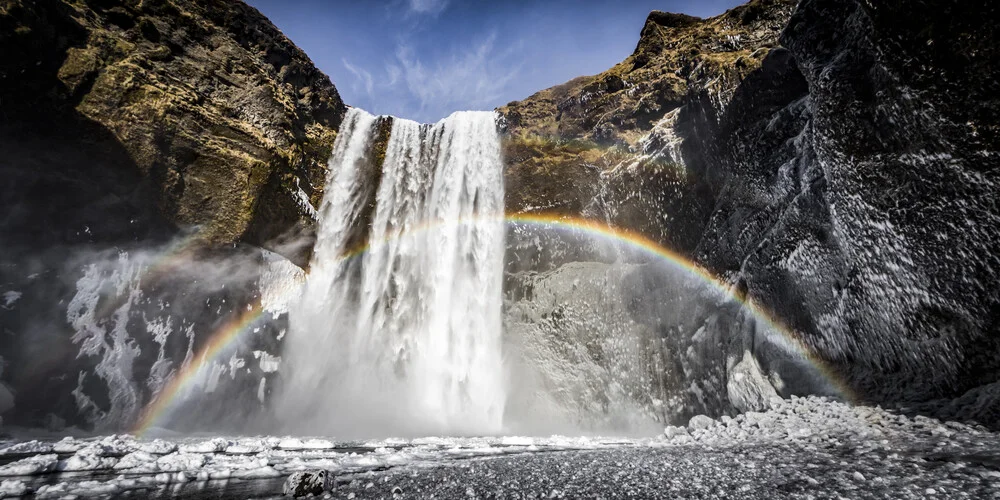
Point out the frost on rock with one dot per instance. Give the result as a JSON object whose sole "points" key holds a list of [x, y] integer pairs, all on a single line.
{"points": [[109, 341], [9, 298]]}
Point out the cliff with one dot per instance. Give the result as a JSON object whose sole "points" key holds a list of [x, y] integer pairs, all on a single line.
{"points": [[840, 177], [862, 209], [632, 131], [148, 147], [164, 114]]}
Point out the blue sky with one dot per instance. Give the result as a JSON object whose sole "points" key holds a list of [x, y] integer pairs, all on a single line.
{"points": [[424, 59]]}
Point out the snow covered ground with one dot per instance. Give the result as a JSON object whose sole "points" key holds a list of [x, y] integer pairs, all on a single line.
{"points": [[804, 448]]}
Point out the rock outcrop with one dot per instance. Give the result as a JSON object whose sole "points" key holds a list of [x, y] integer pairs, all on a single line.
{"points": [[149, 148], [841, 178], [631, 136], [189, 114], [863, 212]]}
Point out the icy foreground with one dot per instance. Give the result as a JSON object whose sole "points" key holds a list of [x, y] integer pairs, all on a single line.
{"points": [[803, 448]]}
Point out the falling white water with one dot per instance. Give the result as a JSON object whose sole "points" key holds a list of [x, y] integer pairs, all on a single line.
{"points": [[404, 339]]}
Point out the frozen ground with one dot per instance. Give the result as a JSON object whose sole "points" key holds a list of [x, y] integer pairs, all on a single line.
{"points": [[805, 448]]}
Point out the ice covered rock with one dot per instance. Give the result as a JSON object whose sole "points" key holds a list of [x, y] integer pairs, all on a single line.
{"points": [[747, 387], [700, 422], [300, 484]]}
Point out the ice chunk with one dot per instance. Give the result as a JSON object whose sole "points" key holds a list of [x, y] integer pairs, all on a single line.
{"points": [[175, 462], [308, 444], [257, 473], [68, 445], [87, 459], [157, 447], [13, 488], [37, 464], [138, 461], [27, 447], [212, 446]]}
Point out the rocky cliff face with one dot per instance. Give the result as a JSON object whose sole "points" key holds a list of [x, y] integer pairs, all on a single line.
{"points": [[194, 114], [631, 136], [149, 147], [862, 211], [839, 178]]}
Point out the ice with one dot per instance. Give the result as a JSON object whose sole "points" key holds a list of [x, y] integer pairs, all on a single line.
{"points": [[308, 444], [181, 461], [13, 488], [137, 461], [211, 446], [267, 362], [68, 445], [87, 460], [36, 447], [10, 297], [808, 423], [244, 449], [157, 447], [515, 440], [37, 464]]}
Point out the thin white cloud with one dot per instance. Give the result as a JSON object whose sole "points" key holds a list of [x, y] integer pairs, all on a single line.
{"points": [[432, 7], [471, 79], [362, 77], [428, 85], [393, 72]]}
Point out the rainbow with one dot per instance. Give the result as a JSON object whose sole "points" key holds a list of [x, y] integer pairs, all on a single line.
{"points": [[220, 339], [635, 240], [231, 330]]}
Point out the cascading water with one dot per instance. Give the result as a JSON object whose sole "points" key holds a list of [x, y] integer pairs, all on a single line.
{"points": [[405, 337]]}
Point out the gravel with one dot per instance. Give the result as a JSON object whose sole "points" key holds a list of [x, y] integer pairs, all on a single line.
{"points": [[801, 448]]}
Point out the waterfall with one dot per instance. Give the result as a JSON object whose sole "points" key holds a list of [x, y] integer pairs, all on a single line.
{"points": [[403, 338]]}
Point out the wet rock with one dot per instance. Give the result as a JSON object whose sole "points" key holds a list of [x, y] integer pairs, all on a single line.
{"points": [[301, 484]]}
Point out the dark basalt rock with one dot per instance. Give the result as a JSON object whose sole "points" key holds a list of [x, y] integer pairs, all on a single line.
{"points": [[845, 183], [301, 484], [860, 208]]}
